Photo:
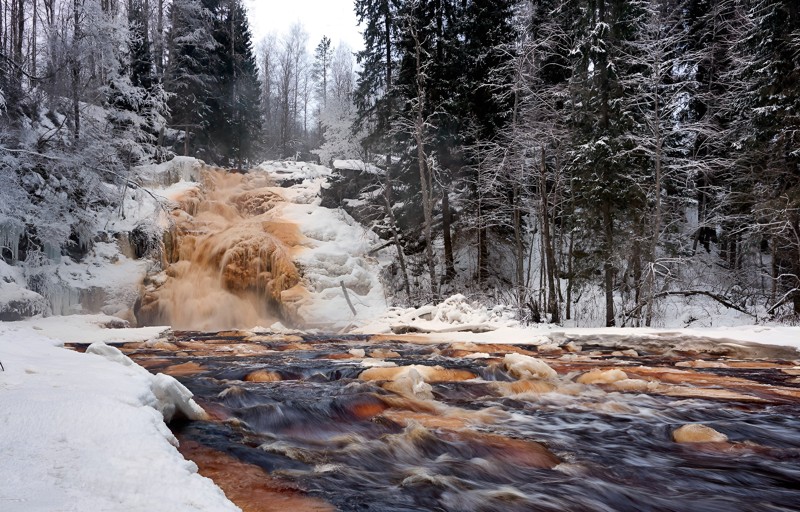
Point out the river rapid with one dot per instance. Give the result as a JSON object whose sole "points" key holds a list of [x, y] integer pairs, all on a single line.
{"points": [[359, 423]]}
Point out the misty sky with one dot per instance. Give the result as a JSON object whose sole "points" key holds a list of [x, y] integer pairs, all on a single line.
{"points": [[333, 18]]}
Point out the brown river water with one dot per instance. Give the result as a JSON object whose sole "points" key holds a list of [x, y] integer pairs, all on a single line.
{"points": [[594, 424]]}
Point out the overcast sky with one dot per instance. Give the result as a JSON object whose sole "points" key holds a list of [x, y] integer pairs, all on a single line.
{"points": [[333, 18]]}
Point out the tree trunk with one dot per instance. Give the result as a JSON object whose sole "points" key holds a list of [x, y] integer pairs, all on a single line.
{"points": [[76, 70], [396, 235], [549, 252], [34, 36], [570, 277], [422, 162], [608, 268], [450, 270], [519, 250]]}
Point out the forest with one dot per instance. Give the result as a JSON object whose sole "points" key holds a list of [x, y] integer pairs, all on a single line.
{"points": [[567, 158]]}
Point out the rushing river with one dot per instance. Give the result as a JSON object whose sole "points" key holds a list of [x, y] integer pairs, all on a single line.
{"points": [[351, 424]]}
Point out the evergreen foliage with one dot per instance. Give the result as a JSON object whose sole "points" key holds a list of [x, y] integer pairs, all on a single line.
{"points": [[600, 143]]}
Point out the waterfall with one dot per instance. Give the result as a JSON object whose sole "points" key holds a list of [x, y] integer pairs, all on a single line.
{"points": [[229, 259]]}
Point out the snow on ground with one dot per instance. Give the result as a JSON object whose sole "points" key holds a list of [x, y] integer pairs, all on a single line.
{"points": [[180, 168], [335, 252], [85, 329], [86, 432], [358, 165], [457, 319], [287, 170]]}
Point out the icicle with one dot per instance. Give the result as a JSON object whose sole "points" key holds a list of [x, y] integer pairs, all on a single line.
{"points": [[10, 235], [53, 252]]}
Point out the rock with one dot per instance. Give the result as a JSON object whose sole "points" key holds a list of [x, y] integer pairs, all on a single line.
{"points": [[549, 348], [410, 384], [262, 376], [527, 367], [357, 352], [701, 364], [427, 373], [573, 347], [17, 303], [602, 376], [383, 353], [697, 433], [634, 385], [536, 387]]}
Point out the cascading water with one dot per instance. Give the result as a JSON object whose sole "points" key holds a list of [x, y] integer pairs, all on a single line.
{"points": [[229, 260]]}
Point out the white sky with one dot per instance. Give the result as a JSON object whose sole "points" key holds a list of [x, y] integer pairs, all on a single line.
{"points": [[333, 18]]}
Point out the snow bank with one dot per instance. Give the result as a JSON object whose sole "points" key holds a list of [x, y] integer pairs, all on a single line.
{"points": [[454, 314], [180, 168], [87, 329], [456, 319], [86, 432], [282, 171], [357, 165]]}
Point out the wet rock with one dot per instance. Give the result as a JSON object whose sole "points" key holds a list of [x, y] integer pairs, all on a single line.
{"points": [[573, 347], [634, 385], [184, 369], [527, 367], [550, 348], [699, 363], [410, 384], [535, 387], [602, 376], [698, 433], [383, 353], [262, 376]]}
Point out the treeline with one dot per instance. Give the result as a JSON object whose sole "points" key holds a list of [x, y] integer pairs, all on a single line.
{"points": [[588, 153]]}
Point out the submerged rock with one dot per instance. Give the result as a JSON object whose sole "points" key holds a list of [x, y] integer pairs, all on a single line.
{"points": [[602, 376], [697, 433]]}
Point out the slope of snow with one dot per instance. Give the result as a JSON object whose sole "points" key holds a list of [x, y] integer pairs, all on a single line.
{"points": [[86, 432], [334, 253], [85, 329]]}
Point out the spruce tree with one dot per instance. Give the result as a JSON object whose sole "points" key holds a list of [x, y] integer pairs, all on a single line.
{"points": [[192, 50]]}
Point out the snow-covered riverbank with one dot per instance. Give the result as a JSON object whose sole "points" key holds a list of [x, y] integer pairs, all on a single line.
{"points": [[86, 432]]}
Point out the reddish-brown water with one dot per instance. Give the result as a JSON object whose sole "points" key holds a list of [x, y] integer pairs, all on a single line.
{"points": [[458, 427]]}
